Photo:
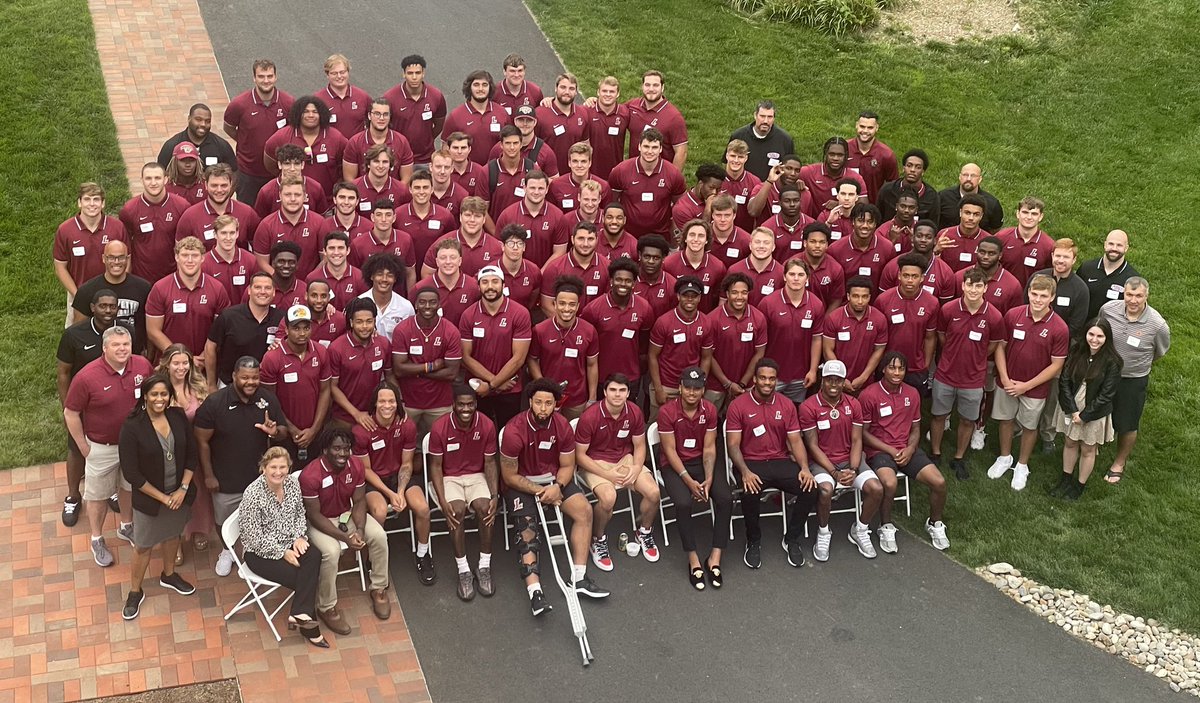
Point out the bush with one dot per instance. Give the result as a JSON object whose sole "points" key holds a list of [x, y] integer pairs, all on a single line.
{"points": [[835, 17]]}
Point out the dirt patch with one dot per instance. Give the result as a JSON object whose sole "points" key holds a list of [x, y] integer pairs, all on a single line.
{"points": [[952, 20], [214, 692]]}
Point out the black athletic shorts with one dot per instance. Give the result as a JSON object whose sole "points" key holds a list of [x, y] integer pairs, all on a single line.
{"points": [[918, 461], [521, 504]]}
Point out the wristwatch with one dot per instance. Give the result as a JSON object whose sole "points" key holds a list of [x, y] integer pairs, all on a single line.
{"points": [[185, 486]]}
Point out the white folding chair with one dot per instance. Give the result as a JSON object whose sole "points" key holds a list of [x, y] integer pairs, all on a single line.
{"points": [[736, 490], [560, 538], [358, 559], [901, 478], [259, 586], [591, 496], [653, 440], [436, 516]]}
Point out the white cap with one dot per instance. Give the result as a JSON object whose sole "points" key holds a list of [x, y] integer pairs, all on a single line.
{"points": [[299, 313], [833, 368], [489, 271]]}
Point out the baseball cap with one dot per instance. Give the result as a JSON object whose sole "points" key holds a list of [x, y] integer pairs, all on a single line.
{"points": [[489, 271], [185, 150], [299, 313], [689, 284], [692, 377], [833, 368], [525, 111]]}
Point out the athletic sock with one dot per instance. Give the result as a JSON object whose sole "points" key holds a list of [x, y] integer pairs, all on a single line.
{"points": [[485, 560], [463, 566], [422, 549], [823, 530], [861, 526], [578, 571], [532, 587], [126, 525]]}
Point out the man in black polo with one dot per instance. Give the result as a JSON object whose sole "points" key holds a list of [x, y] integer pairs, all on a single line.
{"points": [[768, 143], [969, 178], [233, 428], [131, 292], [212, 147], [248, 329], [81, 344], [1105, 277]]}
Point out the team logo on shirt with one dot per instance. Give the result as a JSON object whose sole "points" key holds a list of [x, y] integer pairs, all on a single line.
{"points": [[304, 233], [203, 299], [261, 404], [921, 311], [170, 217], [349, 478], [825, 280], [503, 322], [662, 183], [874, 163], [870, 325], [137, 379], [908, 402], [1043, 334], [778, 415]]}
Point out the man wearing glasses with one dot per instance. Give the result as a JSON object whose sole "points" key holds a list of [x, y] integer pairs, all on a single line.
{"points": [[131, 292]]}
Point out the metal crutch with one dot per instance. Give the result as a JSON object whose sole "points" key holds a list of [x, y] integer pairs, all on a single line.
{"points": [[578, 624]]}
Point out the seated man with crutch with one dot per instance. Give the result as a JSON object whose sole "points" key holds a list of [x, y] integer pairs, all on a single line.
{"points": [[537, 464]]}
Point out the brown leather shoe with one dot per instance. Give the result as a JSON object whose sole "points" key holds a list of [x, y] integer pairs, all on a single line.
{"points": [[380, 604], [334, 621]]}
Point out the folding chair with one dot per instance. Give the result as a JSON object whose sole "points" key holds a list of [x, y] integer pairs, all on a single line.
{"points": [[259, 587], [436, 515], [734, 488], [591, 496], [901, 478], [559, 538], [653, 440]]}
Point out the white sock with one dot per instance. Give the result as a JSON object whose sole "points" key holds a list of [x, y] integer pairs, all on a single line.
{"points": [[861, 526], [531, 587], [1021, 466], [422, 548], [463, 566], [97, 538], [823, 530], [578, 571], [126, 525], [485, 560]]}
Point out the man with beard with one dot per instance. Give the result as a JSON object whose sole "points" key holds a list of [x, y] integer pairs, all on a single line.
{"points": [[289, 288], [765, 143], [131, 292], [826, 279], [478, 116], [863, 253], [899, 229], [765, 201], [197, 221], [495, 335], [697, 200], [150, 220], [563, 124], [788, 225], [328, 323], [418, 109], [581, 262], [181, 307], [869, 157], [654, 111], [297, 371], [1003, 289], [378, 131], [247, 329], [292, 223], [622, 321], [654, 284], [915, 163], [212, 147], [251, 119], [969, 179], [821, 179], [377, 183]]}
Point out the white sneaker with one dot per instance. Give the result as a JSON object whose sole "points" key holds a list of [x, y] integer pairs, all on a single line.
{"points": [[600, 555], [224, 563], [861, 538], [978, 438], [821, 548], [1020, 476], [887, 538], [937, 534], [1000, 466]]}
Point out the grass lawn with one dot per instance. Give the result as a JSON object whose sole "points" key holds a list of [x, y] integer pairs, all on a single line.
{"points": [[1098, 120], [56, 132]]}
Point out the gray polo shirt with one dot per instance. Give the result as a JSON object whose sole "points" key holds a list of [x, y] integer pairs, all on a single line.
{"points": [[1140, 342]]}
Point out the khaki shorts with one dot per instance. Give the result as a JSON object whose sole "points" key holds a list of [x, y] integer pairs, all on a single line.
{"points": [[593, 480], [102, 472], [1027, 411], [467, 488], [424, 419]]}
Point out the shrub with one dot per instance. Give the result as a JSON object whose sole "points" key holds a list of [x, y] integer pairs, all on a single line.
{"points": [[837, 17]]}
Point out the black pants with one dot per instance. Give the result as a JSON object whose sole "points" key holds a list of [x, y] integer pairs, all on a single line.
{"points": [[500, 408], [722, 502], [784, 475], [303, 579]]}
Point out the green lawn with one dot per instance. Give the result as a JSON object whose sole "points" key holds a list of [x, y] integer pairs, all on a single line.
{"points": [[1099, 119], [55, 132]]}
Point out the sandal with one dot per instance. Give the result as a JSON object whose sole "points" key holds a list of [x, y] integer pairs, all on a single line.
{"points": [[714, 575], [696, 576], [309, 630], [1114, 477], [199, 542]]}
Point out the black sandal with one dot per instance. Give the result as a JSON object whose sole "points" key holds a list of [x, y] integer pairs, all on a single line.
{"points": [[309, 630], [696, 576], [714, 575]]}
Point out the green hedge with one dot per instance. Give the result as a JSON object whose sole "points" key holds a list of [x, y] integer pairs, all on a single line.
{"points": [[836, 17]]}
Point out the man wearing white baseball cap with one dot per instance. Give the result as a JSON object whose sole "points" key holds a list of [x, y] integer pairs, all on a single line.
{"points": [[495, 333]]}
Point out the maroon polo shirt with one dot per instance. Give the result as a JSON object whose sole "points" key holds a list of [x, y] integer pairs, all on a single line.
{"points": [[664, 117], [606, 133], [564, 192], [839, 229], [385, 446], [454, 299], [342, 289], [875, 166], [1022, 258], [420, 346], [939, 278], [233, 275], [529, 94], [735, 341], [764, 426], [463, 449], [546, 162], [150, 233], [308, 231], [594, 275], [822, 185], [191, 194], [610, 438], [867, 262], [294, 294], [359, 226], [854, 340], [909, 320], [733, 249], [834, 424], [323, 158], [297, 381], [324, 332], [899, 235], [710, 271], [105, 397], [620, 332], [492, 336], [451, 200], [647, 196], [197, 221], [542, 228], [1032, 345], [789, 239], [681, 342], [256, 122], [626, 247], [401, 244], [790, 332], [486, 252], [482, 126], [773, 208], [566, 227], [1003, 289], [349, 113], [826, 280], [962, 254], [889, 417], [187, 314], [509, 190], [473, 180], [963, 363], [360, 143], [742, 189], [332, 490], [561, 131], [765, 282], [268, 197], [689, 432], [685, 209], [82, 250], [414, 118], [661, 294], [358, 368], [537, 449], [562, 355], [524, 286], [393, 190], [424, 230]]}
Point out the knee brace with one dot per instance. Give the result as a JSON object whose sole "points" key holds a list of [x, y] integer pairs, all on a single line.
{"points": [[528, 546]]}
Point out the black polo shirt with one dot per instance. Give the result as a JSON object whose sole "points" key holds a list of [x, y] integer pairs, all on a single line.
{"points": [[1070, 300], [213, 147], [776, 145], [237, 444], [1103, 286], [237, 333], [950, 198], [131, 304], [80, 345], [929, 204]]}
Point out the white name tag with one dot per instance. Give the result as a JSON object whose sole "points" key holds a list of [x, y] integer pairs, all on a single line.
{"points": [[477, 332], [1064, 301], [452, 447], [806, 324], [427, 115], [505, 291], [210, 234], [364, 206], [897, 246], [689, 444], [614, 131], [280, 124], [706, 288], [377, 364], [179, 307], [270, 340], [747, 336], [773, 162], [835, 235], [147, 227], [416, 349], [568, 202], [864, 270], [647, 197], [559, 130], [593, 290], [137, 392], [322, 158], [627, 334], [1030, 261], [775, 209], [796, 244], [1112, 294], [759, 431], [239, 280], [1018, 334], [78, 251], [571, 353], [975, 336], [732, 252], [767, 289], [966, 256], [435, 224], [822, 424], [1133, 341], [210, 160], [291, 377], [680, 338], [739, 199], [885, 410], [843, 336], [898, 318], [544, 445], [927, 289], [519, 192], [332, 119], [327, 482], [622, 434]]}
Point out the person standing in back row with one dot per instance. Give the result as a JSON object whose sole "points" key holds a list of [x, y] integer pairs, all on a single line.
{"points": [[251, 119], [767, 142]]}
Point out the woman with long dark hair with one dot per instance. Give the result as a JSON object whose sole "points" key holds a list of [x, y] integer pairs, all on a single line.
{"points": [[189, 389], [1085, 398]]}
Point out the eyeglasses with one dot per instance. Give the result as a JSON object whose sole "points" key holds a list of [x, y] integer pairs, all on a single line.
{"points": [[115, 259], [380, 114], [515, 243]]}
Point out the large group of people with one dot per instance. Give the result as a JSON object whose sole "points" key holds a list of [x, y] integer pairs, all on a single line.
{"points": [[521, 301]]}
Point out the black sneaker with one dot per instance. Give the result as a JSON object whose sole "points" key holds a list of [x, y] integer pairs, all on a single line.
{"points": [[538, 604], [960, 469], [176, 583], [795, 553], [70, 512], [133, 604], [753, 557], [425, 570], [588, 587], [114, 504], [1064, 484]]}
